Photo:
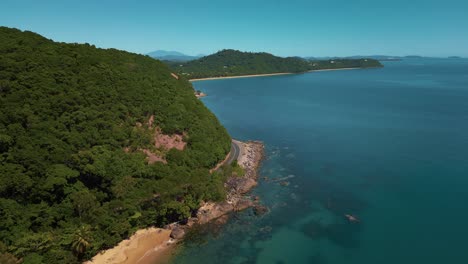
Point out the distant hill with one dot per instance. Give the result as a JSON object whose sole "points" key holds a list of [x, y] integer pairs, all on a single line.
{"points": [[171, 55], [234, 63]]}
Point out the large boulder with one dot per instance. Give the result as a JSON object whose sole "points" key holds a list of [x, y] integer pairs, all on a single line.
{"points": [[178, 232]]}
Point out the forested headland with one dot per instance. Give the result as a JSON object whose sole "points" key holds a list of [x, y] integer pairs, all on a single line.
{"points": [[78, 127], [235, 63]]}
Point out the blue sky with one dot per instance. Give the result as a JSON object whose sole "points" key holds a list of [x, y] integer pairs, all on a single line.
{"points": [[285, 28]]}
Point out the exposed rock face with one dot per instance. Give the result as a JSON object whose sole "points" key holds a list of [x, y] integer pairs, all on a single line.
{"points": [[162, 142], [168, 141]]}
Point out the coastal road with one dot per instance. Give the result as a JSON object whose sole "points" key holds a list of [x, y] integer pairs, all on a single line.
{"points": [[235, 152], [236, 149]]}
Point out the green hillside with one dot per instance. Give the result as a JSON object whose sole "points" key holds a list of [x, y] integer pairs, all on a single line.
{"points": [[74, 121], [235, 63]]}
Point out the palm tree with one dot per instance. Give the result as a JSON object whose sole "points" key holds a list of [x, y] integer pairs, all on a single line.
{"points": [[81, 240]]}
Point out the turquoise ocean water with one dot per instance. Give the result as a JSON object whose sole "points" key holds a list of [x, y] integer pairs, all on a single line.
{"points": [[389, 146]]}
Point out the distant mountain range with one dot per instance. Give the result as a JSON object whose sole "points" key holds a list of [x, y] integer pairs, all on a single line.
{"points": [[176, 56], [166, 55]]}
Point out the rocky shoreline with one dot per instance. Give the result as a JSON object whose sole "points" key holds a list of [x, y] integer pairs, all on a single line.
{"points": [[237, 188], [199, 94], [158, 249]]}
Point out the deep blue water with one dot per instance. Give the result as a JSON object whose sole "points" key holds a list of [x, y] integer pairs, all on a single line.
{"points": [[389, 146]]}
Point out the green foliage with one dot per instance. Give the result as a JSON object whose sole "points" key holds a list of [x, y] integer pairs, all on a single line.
{"points": [[81, 240], [236, 169], [343, 63], [234, 63], [228, 170], [67, 112]]}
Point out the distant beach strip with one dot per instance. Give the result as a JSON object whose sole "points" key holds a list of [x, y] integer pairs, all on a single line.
{"points": [[240, 76], [272, 74]]}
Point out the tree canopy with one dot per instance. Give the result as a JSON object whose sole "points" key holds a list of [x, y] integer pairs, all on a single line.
{"points": [[69, 186]]}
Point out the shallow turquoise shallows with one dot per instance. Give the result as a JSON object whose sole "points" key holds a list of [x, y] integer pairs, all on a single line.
{"points": [[389, 146]]}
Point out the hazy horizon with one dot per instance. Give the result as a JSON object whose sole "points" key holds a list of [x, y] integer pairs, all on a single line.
{"points": [[305, 56], [293, 28]]}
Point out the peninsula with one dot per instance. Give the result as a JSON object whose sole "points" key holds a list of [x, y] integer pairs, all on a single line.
{"points": [[234, 63]]}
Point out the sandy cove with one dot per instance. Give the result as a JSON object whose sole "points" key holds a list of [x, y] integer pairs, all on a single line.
{"points": [[138, 247], [157, 245]]}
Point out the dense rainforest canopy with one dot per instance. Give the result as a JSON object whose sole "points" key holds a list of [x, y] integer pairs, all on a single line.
{"points": [[73, 122], [234, 63]]}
